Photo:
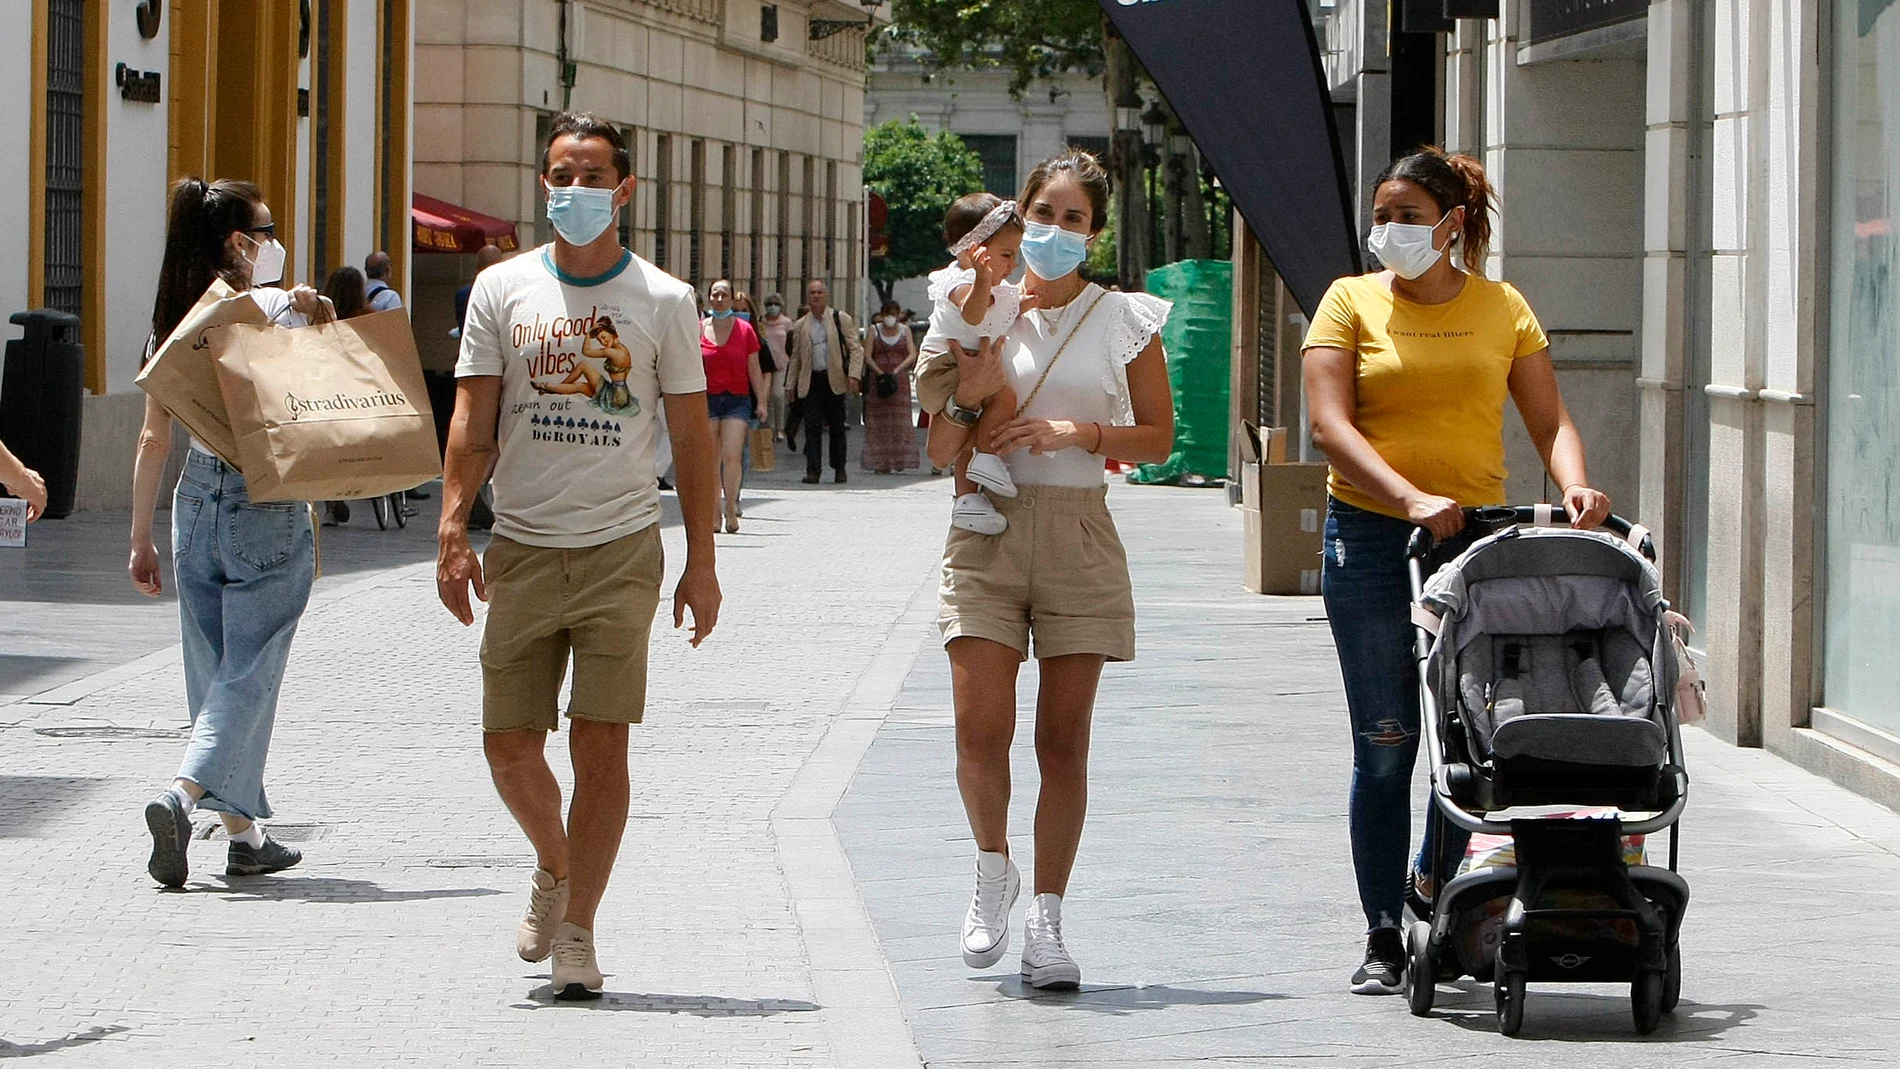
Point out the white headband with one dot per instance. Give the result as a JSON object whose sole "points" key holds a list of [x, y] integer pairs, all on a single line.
{"points": [[986, 229]]}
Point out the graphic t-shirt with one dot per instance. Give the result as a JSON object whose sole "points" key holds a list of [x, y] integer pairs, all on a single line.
{"points": [[583, 363], [1431, 382]]}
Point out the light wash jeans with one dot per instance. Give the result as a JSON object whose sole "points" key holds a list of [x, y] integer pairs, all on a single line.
{"points": [[244, 573]]}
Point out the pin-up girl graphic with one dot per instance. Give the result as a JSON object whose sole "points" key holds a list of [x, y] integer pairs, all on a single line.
{"points": [[606, 385]]}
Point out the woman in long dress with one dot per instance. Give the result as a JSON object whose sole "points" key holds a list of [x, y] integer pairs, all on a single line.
{"points": [[890, 445]]}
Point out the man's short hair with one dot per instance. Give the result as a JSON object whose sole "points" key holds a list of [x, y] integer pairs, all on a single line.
{"points": [[376, 265], [585, 124]]}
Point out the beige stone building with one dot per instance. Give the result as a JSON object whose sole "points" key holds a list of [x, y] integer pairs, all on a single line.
{"points": [[746, 122]]}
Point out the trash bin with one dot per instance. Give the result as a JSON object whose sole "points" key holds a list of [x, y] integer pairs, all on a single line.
{"points": [[41, 393]]}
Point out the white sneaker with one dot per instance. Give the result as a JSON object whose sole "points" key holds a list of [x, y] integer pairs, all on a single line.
{"points": [[1046, 962], [973, 512], [547, 908], [576, 975], [986, 928], [988, 471]]}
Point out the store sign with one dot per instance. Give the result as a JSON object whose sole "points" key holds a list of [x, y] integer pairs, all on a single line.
{"points": [[12, 523], [141, 87], [1550, 19]]}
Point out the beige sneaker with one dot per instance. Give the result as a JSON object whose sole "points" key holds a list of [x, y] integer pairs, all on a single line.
{"points": [[547, 908], [576, 976]]}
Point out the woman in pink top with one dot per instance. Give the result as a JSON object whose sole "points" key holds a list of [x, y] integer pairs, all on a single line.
{"points": [[735, 389], [773, 330]]}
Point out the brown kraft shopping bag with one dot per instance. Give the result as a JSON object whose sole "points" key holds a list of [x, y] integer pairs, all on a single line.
{"points": [[330, 411], [764, 449], [183, 373]]}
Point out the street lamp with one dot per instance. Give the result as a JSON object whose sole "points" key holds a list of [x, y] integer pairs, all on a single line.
{"points": [[1154, 133]]}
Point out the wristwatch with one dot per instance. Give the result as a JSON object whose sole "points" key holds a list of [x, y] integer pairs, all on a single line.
{"points": [[959, 415]]}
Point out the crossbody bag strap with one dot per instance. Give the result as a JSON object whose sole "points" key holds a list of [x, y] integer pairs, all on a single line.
{"points": [[1063, 348]]}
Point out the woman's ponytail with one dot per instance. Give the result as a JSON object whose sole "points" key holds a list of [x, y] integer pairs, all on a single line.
{"points": [[1453, 182], [201, 217]]}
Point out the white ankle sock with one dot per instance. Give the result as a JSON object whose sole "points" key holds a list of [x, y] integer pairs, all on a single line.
{"points": [[185, 800], [252, 836], [991, 865]]}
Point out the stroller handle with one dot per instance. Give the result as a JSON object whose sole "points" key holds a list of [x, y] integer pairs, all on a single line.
{"points": [[1489, 519]]}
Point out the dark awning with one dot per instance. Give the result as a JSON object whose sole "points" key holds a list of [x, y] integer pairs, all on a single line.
{"points": [[1245, 78], [443, 227]]}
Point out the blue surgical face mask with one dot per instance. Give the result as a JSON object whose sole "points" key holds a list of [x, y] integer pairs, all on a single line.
{"points": [[1052, 252], [727, 314], [580, 213]]}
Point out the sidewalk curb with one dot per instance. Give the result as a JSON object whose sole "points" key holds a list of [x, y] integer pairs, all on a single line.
{"points": [[864, 1021]]}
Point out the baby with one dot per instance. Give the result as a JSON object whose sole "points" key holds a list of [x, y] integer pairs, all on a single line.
{"points": [[971, 301]]}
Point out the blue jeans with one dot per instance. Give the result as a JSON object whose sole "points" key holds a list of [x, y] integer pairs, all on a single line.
{"points": [[1368, 596], [244, 572]]}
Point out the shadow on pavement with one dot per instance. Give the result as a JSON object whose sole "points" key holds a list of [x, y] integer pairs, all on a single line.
{"points": [[542, 998], [10, 1049], [1120, 1001], [1591, 1017], [331, 889]]}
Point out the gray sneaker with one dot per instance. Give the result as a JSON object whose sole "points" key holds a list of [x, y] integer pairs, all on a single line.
{"points": [[273, 856], [171, 839]]}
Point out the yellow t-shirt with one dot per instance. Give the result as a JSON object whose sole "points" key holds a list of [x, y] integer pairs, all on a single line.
{"points": [[1431, 381]]}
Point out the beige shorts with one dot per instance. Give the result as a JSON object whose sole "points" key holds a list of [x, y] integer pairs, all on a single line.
{"points": [[936, 380], [595, 604], [1058, 574]]}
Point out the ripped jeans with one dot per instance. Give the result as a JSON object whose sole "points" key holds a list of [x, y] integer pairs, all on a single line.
{"points": [[1368, 599]]}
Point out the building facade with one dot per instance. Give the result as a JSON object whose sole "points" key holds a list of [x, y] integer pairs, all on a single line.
{"points": [[746, 122], [1698, 199], [111, 102]]}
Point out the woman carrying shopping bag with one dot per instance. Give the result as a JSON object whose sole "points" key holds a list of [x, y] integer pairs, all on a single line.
{"points": [[243, 568]]}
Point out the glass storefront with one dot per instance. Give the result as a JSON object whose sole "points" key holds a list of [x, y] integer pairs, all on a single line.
{"points": [[1863, 416]]}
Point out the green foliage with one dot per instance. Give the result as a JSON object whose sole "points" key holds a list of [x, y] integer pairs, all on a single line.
{"points": [[918, 174], [1102, 264], [1031, 39]]}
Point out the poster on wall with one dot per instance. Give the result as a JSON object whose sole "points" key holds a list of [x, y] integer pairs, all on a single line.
{"points": [[12, 523]]}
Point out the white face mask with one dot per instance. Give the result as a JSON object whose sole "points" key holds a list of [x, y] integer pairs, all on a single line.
{"points": [[1409, 249], [890, 322], [267, 266]]}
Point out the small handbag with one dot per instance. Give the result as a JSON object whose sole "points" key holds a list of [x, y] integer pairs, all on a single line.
{"points": [[886, 384]]}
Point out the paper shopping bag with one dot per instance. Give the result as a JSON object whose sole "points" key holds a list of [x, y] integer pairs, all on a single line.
{"points": [[183, 373], [334, 410], [764, 449]]}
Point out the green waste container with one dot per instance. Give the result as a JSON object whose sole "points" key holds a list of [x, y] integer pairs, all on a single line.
{"points": [[1199, 340]]}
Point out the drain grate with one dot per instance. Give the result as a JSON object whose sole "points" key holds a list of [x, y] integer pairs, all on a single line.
{"points": [[283, 833], [109, 733], [481, 861]]}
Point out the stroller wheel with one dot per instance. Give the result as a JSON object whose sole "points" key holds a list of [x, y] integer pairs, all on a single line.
{"points": [[1510, 996], [1421, 974], [1672, 981], [1646, 1000]]}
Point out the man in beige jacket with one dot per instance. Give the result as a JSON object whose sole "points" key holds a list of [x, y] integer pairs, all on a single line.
{"points": [[827, 365]]}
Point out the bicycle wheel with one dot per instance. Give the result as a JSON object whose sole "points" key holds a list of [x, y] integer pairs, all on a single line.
{"points": [[380, 506], [399, 507]]}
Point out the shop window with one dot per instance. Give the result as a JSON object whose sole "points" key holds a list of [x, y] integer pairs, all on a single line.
{"points": [[998, 153], [1862, 677]]}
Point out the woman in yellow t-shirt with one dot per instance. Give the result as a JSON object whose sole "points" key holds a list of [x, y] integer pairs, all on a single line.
{"points": [[1407, 370]]}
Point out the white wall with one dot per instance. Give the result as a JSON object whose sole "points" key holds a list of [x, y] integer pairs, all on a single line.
{"points": [[359, 134], [136, 150], [16, 118]]}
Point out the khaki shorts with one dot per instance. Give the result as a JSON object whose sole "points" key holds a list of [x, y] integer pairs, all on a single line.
{"points": [[1059, 574], [936, 380], [596, 604]]}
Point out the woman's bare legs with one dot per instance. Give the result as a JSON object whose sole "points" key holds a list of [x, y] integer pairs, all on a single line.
{"points": [[730, 434], [983, 680], [1065, 709]]}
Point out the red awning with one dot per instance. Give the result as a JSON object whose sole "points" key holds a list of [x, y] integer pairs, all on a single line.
{"points": [[443, 227]]}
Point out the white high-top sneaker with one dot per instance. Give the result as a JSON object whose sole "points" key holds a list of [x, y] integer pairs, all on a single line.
{"points": [[986, 927], [1046, 962], [988, 471]]}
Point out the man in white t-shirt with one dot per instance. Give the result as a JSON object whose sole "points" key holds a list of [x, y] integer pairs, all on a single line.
{"points": [[569, 354]]}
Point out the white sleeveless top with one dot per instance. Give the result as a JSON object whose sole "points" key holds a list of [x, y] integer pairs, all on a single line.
{"points": [[1089, 384]]}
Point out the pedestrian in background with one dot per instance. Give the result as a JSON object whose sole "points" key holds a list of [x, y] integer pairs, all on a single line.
{"points": [[773, 329], [244, 568], [22, 482], [574, 569], [827, 365], [1407, 370], [890, 441], [381, 297], [735, 390], [1094, 382]]}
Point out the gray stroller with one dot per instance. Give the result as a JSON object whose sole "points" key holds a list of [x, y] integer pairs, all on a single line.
{"points": [[1547, 678]]}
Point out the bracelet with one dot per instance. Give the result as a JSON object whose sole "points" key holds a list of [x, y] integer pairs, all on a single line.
{"points": [[1565, 492], [1098, 440]]}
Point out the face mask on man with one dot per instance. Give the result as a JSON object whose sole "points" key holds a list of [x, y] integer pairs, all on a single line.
{"points": [[1052, 252], [267, 264], [580, 213], [1409, 249]]}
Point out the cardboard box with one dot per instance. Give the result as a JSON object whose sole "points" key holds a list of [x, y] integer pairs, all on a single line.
{"points": [[1284, 509]]}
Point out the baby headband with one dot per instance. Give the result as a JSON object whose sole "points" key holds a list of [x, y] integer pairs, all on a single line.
{"points": [[986, 229]]}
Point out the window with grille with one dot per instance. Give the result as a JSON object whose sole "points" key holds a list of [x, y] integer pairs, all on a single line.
{"points": [[662, 200], [998, 153], [696, 215], [831, 219], [810, 191], [783, 224], [728, 208], [65, 154], [756, 225]]}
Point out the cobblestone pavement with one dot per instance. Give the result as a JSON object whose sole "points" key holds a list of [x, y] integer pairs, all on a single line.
{"points": [[393, 943], [1213, 909]]}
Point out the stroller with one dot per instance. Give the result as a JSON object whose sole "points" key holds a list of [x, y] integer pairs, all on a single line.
{"points": [[1547, 678]]}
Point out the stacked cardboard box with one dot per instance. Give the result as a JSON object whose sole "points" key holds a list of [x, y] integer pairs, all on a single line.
{"points": [[1284, 506]]}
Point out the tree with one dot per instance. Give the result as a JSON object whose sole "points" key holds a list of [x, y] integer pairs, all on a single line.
{"points": [[918, 174]]}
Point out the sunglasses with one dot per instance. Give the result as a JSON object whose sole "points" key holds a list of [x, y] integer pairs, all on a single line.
{"points": [[268, 230]]}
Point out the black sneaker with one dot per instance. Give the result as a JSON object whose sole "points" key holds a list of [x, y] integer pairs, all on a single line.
{"points": [[273, 856], [1384, 970], [171, 839]]}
